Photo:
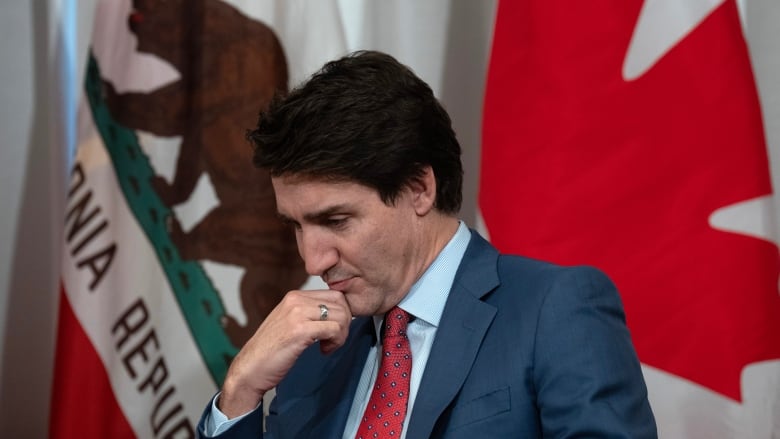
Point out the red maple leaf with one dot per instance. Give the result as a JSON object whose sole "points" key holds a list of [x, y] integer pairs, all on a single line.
{"points": [[582, 166]]}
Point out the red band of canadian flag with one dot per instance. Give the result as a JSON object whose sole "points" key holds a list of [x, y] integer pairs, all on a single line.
{"points": [[628, 135]]}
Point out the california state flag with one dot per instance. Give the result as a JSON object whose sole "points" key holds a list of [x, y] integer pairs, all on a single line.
{"points": [[172, 253], [628, 135]]}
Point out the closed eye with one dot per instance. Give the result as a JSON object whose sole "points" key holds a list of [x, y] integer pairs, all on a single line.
{"points": [[335, 222]]}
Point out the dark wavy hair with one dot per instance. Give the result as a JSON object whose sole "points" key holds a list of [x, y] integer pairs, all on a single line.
{"points": [[364, 118]]}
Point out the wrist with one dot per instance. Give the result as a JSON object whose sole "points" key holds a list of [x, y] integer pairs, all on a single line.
{"points": [[236, 400]]}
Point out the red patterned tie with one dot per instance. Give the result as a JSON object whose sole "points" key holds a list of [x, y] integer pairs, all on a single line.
{"points": [[384, 415]]}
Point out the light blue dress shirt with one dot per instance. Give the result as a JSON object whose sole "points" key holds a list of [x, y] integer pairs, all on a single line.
{"points": [[425, 301]]}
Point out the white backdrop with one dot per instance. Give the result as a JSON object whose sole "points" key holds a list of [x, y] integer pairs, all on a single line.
{"points": [[452, 57]]}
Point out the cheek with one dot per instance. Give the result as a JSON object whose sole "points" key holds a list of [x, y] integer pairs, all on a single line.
{"points": [[379, 248], [394, 245], [373, 252]]}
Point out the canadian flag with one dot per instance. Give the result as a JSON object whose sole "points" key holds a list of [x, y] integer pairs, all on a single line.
{"points": [[628, 135]]}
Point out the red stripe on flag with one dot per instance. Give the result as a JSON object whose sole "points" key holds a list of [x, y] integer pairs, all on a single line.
{"points": [[83, 403]]}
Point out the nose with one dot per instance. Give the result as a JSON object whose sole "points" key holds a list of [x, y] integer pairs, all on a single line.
{"points": [[318, 253]]}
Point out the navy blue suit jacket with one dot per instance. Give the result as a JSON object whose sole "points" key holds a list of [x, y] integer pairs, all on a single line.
{"points": [[524, 349]]}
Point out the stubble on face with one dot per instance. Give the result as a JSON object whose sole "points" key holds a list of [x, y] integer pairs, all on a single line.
{"points": [[354, 241]]}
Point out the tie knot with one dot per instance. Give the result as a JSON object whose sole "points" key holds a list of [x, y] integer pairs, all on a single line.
{"points": [[395, 322]]}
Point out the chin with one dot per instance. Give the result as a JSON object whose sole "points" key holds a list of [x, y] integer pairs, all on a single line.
{"points": [[356, 306]]}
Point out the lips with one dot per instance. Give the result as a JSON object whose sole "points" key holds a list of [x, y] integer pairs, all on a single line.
{"points": [[339, 285]]}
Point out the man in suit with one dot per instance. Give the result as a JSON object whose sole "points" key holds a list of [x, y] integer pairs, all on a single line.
{"points": [[425, 330]]}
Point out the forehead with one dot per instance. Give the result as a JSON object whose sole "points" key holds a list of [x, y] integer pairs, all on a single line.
{"points": [[303, 183], [302, 195]]}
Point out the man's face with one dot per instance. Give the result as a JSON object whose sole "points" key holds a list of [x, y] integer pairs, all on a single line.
{"points": [[359, 245]]}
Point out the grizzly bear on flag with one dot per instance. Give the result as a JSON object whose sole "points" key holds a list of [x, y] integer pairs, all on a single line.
{"points": [[230, 67]]}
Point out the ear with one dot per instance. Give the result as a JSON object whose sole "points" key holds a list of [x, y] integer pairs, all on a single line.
{"points": [[423, 190]]}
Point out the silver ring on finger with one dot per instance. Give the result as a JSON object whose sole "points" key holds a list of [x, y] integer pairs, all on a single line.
{"points": [[323, 312]]}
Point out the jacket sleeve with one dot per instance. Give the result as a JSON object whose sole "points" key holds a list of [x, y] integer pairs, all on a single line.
{"points": [[587, 375], [250, 426]]}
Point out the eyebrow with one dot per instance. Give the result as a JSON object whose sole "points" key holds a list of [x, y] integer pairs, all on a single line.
{"points": [[314, 217]]}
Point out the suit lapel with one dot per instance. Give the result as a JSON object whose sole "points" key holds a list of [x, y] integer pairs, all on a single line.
{"points": [[463, 325]]}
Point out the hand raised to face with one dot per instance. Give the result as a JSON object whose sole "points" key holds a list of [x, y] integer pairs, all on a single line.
{"points": [[294, 325]]}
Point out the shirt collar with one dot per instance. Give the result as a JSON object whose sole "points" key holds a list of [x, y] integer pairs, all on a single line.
{"points": [[427, 297]]}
